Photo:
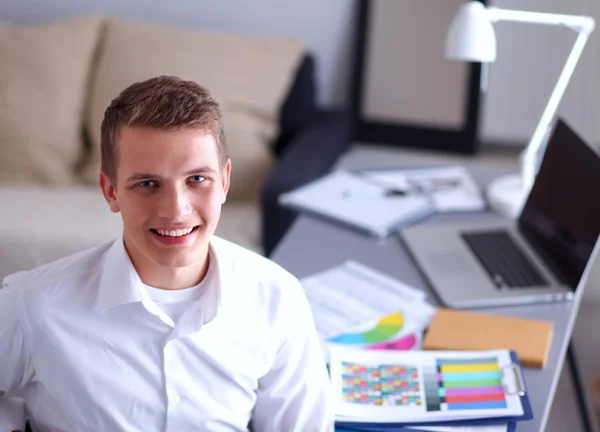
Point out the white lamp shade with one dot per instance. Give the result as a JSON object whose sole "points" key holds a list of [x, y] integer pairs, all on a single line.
{"points": [[471, 36]]}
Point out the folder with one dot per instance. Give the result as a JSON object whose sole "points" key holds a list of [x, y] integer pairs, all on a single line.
{"points": [[509, 427], [472, 331]]}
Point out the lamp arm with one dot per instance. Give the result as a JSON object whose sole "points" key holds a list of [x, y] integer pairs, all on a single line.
{"points": [[578, 23], [531, 155], [584, 25]]}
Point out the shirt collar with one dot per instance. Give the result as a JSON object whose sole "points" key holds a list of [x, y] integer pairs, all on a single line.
{"points": [[120, 283]]}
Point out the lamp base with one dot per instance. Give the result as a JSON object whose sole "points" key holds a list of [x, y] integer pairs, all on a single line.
{"points": [[506, 195]]}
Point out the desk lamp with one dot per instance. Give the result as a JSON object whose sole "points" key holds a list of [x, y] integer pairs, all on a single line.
{"points": [[471, 37]]}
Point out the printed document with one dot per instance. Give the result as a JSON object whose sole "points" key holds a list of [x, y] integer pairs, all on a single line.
{"points": [[423, 386], [351, 295]]}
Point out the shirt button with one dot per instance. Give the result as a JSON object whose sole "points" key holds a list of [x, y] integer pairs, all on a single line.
{"points": [[175, 399]]}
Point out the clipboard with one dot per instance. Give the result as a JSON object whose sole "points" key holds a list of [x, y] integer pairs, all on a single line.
{"points": [[405, 427], [510, 427]]}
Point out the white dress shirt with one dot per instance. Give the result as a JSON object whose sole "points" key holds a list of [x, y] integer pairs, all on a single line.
{"points": [[87, 348]]}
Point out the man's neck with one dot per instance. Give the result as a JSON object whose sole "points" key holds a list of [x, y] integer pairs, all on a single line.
{"points": [[169, 278], [175, 278]]}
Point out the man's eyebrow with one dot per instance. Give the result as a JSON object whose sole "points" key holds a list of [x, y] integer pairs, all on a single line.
{"points": [[140, 176], [203, 169], [144, 176]]}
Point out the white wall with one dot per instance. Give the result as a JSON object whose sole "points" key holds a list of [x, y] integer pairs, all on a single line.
{"points": [[530, 58], [326, 26], [421, 87]]}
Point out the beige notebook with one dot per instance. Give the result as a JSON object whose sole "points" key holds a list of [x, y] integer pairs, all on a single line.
{"points": [[469, 331]]}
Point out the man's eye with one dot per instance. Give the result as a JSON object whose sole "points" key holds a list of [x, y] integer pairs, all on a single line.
{"points": [[147, 183], [197, 179]]}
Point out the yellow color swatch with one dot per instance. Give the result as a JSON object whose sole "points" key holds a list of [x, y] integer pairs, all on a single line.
{"points": [[482, 367]]}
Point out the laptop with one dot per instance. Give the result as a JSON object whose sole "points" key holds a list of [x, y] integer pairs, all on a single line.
{"points": [[540, 257]]}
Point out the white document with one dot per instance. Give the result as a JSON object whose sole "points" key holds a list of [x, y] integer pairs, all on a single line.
{"points": [[354, 201], [422, 386], [352, 295], [451, 188]]}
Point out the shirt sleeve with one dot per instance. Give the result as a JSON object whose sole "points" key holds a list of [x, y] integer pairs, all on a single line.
{"points": [[295, 395], [13, 350]]}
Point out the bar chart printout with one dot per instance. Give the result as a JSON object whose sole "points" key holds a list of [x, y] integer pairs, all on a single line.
{"points": [[464, 384]]}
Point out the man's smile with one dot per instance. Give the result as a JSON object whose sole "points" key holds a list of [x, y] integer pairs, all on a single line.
{"points": [[174, 232], [171, 236]]}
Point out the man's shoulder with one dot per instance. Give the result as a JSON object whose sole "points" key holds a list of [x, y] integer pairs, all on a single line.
{"points": [[251, 265], [241, 257], [261, 287], [79, 264]]}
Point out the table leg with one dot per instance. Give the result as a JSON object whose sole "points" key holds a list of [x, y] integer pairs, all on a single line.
{"points": [[581, 392]]}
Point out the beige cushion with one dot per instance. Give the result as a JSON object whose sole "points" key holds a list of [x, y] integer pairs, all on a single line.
{"points": [[44, 77], [248, 76], [40, 225]]}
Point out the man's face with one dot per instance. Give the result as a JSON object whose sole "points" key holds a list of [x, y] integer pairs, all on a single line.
{"points": [[169, 189]]}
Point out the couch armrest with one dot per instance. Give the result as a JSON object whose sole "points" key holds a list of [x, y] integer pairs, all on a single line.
{"points": [[311, 154]]}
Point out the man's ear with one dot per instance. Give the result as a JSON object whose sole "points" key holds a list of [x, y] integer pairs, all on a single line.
{"points": [[109, 192], [226, 178]]}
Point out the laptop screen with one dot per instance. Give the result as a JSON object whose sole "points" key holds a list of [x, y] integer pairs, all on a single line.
{"points": [[561, 217]]}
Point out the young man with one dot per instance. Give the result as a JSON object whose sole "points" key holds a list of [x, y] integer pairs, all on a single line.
{"points": [[168, 328]]}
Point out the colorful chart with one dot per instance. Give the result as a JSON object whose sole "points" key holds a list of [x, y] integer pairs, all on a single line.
{"points": [[386, 328], [461, 384], [395, 385]]}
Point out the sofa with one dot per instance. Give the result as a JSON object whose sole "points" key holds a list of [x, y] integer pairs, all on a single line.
{"points": [[56, 80]]}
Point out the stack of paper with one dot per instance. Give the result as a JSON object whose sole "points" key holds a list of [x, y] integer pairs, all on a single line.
{"points": [[358, 307], [354, 201]]}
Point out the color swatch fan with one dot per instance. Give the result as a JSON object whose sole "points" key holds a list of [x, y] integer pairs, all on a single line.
{"points": [[359, 307], [387, 333]]}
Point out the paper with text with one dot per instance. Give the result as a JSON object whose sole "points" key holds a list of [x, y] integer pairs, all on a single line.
{"points": [[352, 295]]}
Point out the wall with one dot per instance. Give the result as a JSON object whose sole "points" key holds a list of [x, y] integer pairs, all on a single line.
{"points": [[326, 26], [530, 58], [421, 87]]}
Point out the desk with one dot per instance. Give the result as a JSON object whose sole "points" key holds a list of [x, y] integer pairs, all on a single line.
{"points": [[313, 245]]}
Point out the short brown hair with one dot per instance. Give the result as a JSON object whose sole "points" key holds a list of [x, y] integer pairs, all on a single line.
{"points": [[164, 102]]}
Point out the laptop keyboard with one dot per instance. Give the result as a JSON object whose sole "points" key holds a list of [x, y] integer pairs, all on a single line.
{"points": [[504, 261]]}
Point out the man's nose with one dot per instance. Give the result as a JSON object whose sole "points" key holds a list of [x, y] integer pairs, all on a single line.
{"points": [[174, 204]]}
